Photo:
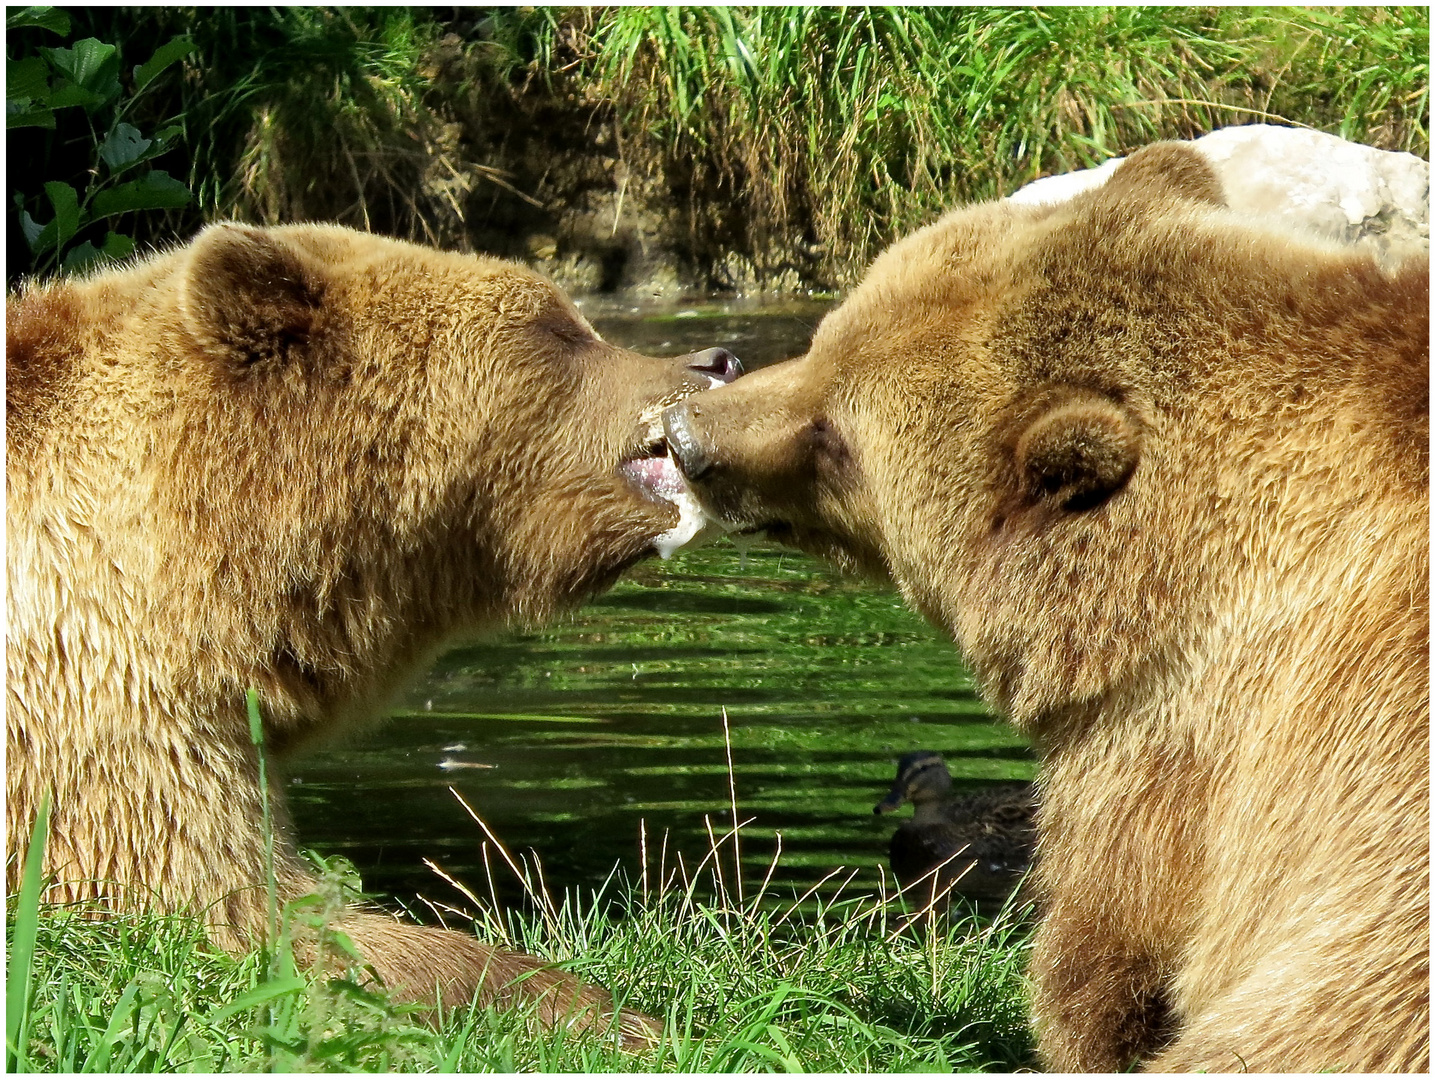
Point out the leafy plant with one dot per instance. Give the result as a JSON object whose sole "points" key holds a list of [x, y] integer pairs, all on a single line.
{"points": [[120, 177], [797, 139]]}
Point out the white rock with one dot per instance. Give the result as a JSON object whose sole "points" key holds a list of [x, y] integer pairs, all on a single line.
{"points": [[1060, 188], [1299, 179]]}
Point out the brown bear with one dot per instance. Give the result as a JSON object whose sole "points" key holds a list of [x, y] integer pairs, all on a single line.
{"points": [[298, 459], [1163, 475]]}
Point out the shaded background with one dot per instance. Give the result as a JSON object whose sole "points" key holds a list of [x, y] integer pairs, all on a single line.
{"points": [[665, 152]]}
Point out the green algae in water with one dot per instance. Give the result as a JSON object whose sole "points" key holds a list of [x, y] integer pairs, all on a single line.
{"points": [[565, 740]]}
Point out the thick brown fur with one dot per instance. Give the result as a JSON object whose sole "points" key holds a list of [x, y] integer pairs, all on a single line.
{"points": [[302, 460], [1163, 475]]}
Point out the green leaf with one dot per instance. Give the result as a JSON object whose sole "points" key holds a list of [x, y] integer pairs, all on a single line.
{"points": [[32, 230], [264, 992], [342, 941], [155, 191], [91, 74], [66, 202], [22, 113], [256, 724], [85, 62], [117, 246], [46, 18], [123, 147], [28, 225], [69, 93], [27, 78], [172, 50], [99, 1060], [44, 239], [22, 939], [80, 257], [129, 148]]}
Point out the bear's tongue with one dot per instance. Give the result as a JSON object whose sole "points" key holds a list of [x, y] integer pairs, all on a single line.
{"points": [[660, 477]]}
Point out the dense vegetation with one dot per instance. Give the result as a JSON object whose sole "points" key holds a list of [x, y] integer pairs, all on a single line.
{"points": [[799, 139]]}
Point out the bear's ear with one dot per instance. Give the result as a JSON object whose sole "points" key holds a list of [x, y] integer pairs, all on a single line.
{"points": [[248, 297], [1076, 448], [1161, 171]]}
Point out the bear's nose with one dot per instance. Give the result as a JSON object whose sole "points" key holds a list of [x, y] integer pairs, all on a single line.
{"points": [[719, 364], [683, 442]]}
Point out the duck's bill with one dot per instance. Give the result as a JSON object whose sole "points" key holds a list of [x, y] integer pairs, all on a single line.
{"points": [[891, 802]]}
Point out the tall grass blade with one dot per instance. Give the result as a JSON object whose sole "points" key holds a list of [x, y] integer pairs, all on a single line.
{"points": [[263, 994], [18, 989], [256, 735], [102, 1054]]}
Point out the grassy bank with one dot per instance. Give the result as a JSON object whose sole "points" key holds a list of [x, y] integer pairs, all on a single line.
{"points": [[757, 983], [795, 140], [857, 125]]}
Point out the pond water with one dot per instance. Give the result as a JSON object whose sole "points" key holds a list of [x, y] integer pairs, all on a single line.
{"points": [[565, 740]]}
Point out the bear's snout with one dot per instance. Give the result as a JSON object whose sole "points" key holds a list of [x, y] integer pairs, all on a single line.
{"points": [[719, 365], [689, 449]]}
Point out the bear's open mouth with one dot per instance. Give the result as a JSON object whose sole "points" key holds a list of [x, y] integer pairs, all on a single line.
{"points": [[657, 476], [655, 472]]}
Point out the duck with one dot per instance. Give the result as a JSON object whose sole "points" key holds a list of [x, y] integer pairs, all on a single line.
{"points": [[983, 841]]}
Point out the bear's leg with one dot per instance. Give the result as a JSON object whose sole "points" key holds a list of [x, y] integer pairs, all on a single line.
{"points": [[445, 968], [184, 830], [1098, 1003], [451, 969], [1326, 1003]]}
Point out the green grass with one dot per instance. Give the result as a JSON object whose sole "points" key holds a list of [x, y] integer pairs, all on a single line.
{"points": [[833, 984], [741, 976], [859, 124]]}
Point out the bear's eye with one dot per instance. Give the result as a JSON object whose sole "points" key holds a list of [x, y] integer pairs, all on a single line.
{"points": [[570, 333], [828, 442], [560, 325]]}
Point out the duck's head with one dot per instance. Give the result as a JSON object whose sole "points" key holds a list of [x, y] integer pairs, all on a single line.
{"points": [[921, 777]]}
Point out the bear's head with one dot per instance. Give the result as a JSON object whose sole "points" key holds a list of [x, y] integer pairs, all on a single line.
{"points": [[338, 451], [1039, 423]]}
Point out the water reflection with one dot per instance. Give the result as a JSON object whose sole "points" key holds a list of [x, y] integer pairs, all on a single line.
{"points": [[616, 716], [758, 332]]}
